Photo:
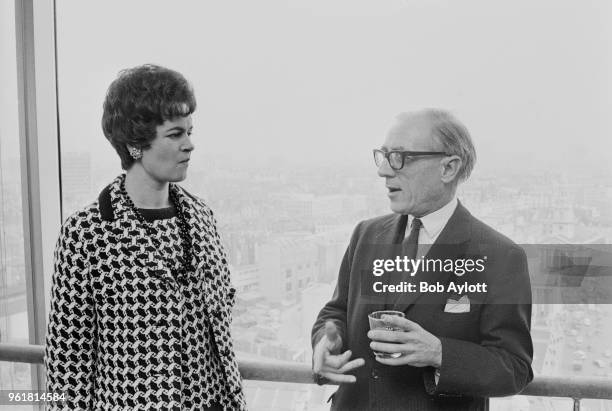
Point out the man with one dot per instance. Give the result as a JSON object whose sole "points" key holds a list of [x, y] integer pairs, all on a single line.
{"points": [[456, 347]]}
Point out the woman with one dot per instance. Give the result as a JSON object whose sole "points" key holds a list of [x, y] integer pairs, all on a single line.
{"points": [[141, 298]]}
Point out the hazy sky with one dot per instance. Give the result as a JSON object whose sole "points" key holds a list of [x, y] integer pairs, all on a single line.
{"points": [[318, 80]]}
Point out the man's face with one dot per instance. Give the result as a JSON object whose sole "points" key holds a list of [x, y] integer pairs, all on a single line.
{"points": [[417, 188]]}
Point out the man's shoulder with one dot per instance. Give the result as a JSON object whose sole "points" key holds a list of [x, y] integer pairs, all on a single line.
{"points": [[382, 220], [374, 228], [377, 223], [485, 234]]}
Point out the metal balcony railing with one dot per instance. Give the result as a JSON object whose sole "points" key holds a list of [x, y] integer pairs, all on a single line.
{"points": [[576, 388]]}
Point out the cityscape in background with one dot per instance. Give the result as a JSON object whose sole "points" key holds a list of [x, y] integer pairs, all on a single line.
{"points": [[286, 229]]}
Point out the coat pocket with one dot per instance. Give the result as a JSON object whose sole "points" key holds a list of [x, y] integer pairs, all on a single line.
{"points": [[464, 326]]}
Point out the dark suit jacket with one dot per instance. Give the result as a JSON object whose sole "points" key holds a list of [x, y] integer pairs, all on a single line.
{"points": [[485, 352]]}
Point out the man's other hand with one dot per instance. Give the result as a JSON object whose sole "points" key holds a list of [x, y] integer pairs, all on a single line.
{"points": [[419, 348], [327, 360]]}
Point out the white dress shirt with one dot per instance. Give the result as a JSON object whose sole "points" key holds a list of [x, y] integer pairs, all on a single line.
{"points": [[432, 226]]}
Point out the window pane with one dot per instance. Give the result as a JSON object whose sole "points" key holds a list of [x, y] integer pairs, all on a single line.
{"points": [[13, 307], [293, 97]]}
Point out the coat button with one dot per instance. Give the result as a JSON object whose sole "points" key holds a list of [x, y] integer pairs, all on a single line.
{"points": [[375, 375]]}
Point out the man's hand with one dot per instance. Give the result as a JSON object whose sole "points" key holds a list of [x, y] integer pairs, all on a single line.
{"points": [[419, 348], [328, 363]]}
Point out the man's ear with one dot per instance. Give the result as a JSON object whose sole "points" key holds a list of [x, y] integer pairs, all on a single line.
{"points": [[451, 166]]}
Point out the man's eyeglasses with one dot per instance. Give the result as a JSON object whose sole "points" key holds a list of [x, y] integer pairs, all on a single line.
{"points": [[397, 158]]}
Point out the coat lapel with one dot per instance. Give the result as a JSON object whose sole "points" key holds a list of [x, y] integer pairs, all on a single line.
{"points": [[114, 208], [124, 220], [199, 230], [384, 246], [208, 256], [450, 244], [392, 230]]}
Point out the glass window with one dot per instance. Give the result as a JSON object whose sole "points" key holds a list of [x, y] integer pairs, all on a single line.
{"points": [[293, 97], [13, 306]]}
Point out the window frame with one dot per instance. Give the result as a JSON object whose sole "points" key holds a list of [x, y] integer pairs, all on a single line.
{"points": [[39, 153]]}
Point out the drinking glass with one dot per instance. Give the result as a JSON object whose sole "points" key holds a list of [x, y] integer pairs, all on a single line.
{"points": [[376, 323]]}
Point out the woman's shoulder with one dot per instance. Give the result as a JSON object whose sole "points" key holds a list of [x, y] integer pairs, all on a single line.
{"points": [[83, 218], [197, 201]]}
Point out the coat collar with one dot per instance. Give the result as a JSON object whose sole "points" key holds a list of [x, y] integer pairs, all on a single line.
{"points": [[114, 208], [457, 229]]}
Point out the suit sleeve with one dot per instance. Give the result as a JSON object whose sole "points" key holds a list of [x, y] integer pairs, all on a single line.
{"points": [[335, 309], [501, 364], [70, 356]]}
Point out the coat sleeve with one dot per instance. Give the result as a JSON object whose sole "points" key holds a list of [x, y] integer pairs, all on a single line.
{"points": [[70, 352], [216, 238], [501, 363], [335, 309]]}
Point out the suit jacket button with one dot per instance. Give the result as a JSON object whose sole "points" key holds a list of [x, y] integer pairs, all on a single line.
{"points": [[375, 375]]}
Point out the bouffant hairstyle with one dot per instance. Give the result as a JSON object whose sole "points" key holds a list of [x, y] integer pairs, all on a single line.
{"points": [[139, 100]]}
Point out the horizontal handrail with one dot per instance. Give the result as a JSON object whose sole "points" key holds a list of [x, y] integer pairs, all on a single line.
{"points": [[272, 370], [285, 371]]}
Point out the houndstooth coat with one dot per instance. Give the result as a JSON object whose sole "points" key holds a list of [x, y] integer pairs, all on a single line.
{"points": [[114, 336]]}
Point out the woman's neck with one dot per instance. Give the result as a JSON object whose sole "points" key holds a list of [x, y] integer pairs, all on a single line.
{"points": [[145, 191]]}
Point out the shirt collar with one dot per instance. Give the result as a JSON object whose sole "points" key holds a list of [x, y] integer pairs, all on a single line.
{"points": [[434, 222]]}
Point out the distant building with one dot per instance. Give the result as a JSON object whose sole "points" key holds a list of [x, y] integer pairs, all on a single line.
{"points": [[76, 181], [287, 266], [313, 299], [245, 278]]}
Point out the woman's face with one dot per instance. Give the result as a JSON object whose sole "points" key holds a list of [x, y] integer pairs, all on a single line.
{"points": [[168, 157]]}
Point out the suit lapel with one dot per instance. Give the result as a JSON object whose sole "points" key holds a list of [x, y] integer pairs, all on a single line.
{"points": [[450, 244], [392, 231]]}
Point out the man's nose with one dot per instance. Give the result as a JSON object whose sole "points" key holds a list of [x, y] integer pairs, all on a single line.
{"points": [[385, 170]]}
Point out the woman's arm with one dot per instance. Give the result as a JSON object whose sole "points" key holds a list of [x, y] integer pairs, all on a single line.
{"points": [[70, 355]]}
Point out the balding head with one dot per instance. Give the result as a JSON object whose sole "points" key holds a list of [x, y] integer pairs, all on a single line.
{"points": [[446, 132]]}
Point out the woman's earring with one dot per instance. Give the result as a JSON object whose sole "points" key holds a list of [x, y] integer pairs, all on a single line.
{"points": [[136, 153]]}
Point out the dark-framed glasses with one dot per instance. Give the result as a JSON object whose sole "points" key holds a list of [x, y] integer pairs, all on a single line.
{"points": [[397, 158]]}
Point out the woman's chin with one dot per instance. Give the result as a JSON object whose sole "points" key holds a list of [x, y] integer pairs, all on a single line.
{"points": [[177, 177]]}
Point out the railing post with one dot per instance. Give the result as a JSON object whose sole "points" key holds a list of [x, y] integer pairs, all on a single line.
{"points": [[576, 404]]}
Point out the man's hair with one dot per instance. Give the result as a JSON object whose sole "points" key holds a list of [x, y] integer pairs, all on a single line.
{"points": [[451, 134], [139, 100]]}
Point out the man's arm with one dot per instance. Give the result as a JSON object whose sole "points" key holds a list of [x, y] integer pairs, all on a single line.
{"points": [[329, 331], [501, 364], [335, 309]]}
